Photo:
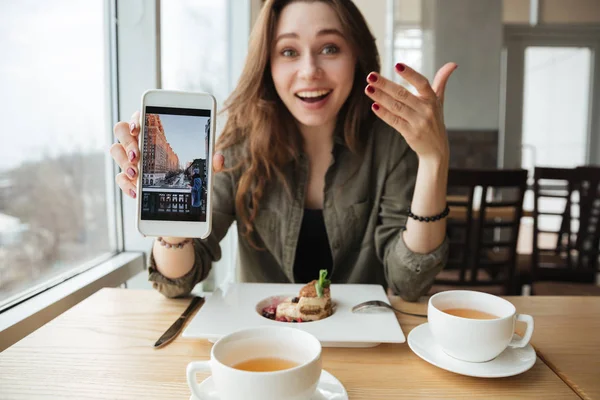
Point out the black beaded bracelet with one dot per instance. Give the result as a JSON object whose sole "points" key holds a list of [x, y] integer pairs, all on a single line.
{"points": [[443, 214], [174, 245]]}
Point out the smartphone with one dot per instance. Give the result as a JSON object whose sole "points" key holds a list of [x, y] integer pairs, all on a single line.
{"points": [[176, 141]]}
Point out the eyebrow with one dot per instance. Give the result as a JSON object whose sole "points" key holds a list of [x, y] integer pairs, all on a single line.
{"points": [[322, 32]]}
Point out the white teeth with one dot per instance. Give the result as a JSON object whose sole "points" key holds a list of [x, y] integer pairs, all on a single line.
{"points": [[316, 93]]}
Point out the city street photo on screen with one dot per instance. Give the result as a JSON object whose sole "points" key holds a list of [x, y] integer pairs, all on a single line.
{"points": [[174, 171]]}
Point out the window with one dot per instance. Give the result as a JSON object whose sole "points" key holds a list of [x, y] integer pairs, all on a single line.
{"points": [[194, 43], [203, 47], [408, 47], [554, 138], [407, 38], [55, 214]]}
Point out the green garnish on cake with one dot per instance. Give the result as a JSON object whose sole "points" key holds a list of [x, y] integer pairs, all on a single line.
{"points": [[322, 283], [313, 303]]}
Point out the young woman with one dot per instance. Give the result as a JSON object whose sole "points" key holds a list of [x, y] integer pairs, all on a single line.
{"points": [[324, 163]]}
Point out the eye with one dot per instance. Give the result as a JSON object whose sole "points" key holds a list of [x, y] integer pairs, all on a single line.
{"points": [[289, 53], [330, 49]]}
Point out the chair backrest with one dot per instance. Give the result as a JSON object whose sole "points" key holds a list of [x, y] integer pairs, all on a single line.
{"points": [[573, 231], [588, 233], [484, 226], [553, 191]]}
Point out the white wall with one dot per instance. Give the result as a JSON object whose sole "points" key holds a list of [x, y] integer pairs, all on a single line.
{"points": [[553, 11], [408, 11], [255, 6], [468, 32], [570, 12], [375, 12], [515, 11]]}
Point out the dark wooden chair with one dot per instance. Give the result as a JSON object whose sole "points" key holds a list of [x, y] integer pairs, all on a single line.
{"points": [[483, 230], [566, 243]]}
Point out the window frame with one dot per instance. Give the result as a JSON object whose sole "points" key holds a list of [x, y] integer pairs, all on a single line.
{"points": [[516, 39]]}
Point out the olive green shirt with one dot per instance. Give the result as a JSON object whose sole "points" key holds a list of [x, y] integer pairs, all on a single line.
{"points": [[365, 211]]}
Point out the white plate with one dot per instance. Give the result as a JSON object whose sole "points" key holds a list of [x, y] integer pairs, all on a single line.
{"points": [[329, 388], [510, 362], [235, 308]]}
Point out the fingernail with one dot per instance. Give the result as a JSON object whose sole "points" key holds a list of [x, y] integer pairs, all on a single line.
{"points": [[132, 127], [370, 89], [132, 193], [131, 172], [372, 77], [375, 106], [131, 155], [400, 67]]}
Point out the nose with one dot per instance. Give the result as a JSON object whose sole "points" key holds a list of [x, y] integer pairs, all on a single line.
{"points": [[309, 68]]}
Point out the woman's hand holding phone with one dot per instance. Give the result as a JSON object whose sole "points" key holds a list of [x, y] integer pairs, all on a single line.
{"points": [[126, 154]]}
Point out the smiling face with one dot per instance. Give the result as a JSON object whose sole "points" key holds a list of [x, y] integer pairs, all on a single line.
{"points": [[312, 63]]}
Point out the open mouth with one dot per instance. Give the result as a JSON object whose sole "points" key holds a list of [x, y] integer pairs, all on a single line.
{"points": [[313, 96]]}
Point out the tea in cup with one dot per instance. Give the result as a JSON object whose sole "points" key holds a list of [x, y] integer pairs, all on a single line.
{"points": [[474, 326], [265, 363]]}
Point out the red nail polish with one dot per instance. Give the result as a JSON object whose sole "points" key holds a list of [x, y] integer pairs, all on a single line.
{"points": [[131, 155], [132, 193], [370, 89], [372, 77], [131, 172], [400, 67], [131, 127], [375, 106]]}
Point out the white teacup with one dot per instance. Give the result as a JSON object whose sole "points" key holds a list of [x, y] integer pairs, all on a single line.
{"points": [[475, 340], [296, 383]]}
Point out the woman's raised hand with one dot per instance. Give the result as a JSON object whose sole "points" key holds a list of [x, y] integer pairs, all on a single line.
{"points": [[126, 154], [419, 118]]}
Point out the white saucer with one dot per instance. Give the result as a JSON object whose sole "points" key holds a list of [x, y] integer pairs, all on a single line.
{"points": [[510, 362], [329, 388]]}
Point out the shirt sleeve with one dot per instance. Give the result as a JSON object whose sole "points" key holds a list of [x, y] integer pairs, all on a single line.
{"points": [[408, 274], [205, 250]]}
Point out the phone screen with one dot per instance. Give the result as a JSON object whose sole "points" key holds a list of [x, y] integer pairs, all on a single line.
{"points": [[175, 166]]}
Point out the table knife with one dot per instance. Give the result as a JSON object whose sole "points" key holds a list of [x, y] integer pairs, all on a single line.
{"points": [[174, 329]]}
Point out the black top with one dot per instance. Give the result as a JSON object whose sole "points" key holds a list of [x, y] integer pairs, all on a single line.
{"points": [[312, 252]]}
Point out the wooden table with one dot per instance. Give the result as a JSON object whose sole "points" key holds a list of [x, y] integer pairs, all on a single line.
{"points": [[567, 338], [102, 348]]}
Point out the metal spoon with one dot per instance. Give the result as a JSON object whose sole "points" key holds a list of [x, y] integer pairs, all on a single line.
{"points": [[373, 304]]}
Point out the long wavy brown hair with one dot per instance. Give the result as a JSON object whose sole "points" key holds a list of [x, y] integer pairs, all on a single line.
{"points": [[258, 118]]}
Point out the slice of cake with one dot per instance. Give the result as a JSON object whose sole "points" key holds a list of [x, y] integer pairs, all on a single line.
{"points": [[314, 302]]}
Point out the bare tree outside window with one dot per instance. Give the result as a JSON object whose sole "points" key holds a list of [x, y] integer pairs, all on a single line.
{"points": [[53, 200]]}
